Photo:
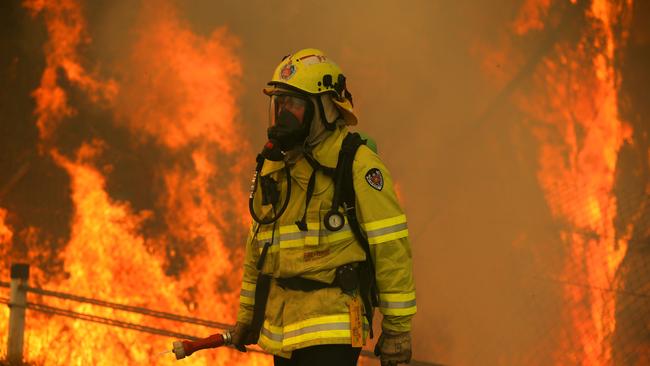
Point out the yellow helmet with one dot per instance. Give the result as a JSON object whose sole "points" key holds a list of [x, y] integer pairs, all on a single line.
{"points": [[311, 72]]}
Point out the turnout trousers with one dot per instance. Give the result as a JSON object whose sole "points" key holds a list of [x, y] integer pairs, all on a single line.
{"points": [[323, 355]]}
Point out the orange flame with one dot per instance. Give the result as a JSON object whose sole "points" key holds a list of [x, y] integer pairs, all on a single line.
{"points": [[580, 136], [531, 14], [67, 31], [189, 97], [179, 92], [6, 234], [6, 237], [187, 105]]}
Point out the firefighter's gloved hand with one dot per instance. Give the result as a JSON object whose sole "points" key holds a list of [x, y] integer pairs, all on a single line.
{"points": [[393, 347], [242, 336]]}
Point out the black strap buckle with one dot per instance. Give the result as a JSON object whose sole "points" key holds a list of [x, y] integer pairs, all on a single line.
{"points": [[347, 278]]}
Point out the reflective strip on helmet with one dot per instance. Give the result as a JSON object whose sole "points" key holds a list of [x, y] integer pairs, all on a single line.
{"points": [[397, 304], [291, 237], [247, 293], [381, 231]]}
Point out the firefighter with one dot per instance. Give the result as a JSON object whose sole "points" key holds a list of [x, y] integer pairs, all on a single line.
{"points": [[322, 252]]}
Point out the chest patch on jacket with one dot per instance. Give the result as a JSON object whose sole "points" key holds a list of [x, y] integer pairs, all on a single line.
{"points": [[375, 179]]}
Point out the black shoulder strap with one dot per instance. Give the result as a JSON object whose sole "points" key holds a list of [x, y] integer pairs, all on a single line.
{"points": [[345, 190], [349, 148]]}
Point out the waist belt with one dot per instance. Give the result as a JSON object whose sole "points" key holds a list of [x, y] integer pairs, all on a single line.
{"points": [[347, 279], [303, 284]]}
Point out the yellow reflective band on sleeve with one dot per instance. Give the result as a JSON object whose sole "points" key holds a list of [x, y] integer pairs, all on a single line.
{"points": [[385, 230], [397, 304], [380, 224], [247, 293], [404, 296], [388, 237]]}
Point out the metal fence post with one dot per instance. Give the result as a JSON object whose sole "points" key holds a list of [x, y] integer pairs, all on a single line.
{"points": [[17, 305]]}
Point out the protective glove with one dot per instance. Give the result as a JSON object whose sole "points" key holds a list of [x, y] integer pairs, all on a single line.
{"points": [[393, 347], [242, 336]]}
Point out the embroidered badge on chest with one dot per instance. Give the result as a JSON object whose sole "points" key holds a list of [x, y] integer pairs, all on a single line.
{"points": [[375, 179]]}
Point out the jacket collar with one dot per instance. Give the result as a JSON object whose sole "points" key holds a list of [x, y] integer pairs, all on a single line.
{"points": [[326, 153]]}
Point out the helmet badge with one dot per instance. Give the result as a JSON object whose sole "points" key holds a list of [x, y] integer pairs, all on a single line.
{"points": [[287, 71]]}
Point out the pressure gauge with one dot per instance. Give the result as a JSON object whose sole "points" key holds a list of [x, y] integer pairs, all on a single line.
{"points": [[334, 221]]}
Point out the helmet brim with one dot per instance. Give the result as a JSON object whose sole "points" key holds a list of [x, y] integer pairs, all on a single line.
{"points": [[345, 107]]}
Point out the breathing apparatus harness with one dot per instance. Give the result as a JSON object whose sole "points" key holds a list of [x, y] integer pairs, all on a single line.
{"points": [[285, 133], [349, 277], [270, 192]]}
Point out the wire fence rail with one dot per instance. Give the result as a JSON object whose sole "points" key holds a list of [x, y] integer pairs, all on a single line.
{"points": [[128, 308], [101, 320], [47, 309]]}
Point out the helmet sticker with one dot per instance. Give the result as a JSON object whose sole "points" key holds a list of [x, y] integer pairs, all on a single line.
{"points": [[287, 71], [312, 59], [375, 179]]}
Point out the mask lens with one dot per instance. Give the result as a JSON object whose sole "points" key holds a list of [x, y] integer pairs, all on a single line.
{"points": [[286, 103]]}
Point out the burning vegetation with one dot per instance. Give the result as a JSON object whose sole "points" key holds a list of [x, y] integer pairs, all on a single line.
{"points": [[182, 111], [572, 101]]}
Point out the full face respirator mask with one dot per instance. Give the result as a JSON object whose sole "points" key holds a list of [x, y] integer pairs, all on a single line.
{"points": [[290, 117]]}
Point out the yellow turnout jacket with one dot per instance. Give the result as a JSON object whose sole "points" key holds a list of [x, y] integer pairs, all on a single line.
{"points": [[297, 319]]}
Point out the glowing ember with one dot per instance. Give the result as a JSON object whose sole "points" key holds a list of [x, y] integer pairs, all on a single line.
{"points": [[580, 135]]}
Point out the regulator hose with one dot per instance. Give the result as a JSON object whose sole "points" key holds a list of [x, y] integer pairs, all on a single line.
{"points": [[253, 189]]}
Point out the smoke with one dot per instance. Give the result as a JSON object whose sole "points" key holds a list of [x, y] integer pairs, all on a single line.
{"points": [[428, 79], [472, 200]]}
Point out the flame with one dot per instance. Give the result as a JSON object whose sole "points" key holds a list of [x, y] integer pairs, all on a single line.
{"points": [[178, 95], [198, 79], [531, 14], [196, 89], [580, 134], [6, 234], [6, 237], [66, 27]]}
